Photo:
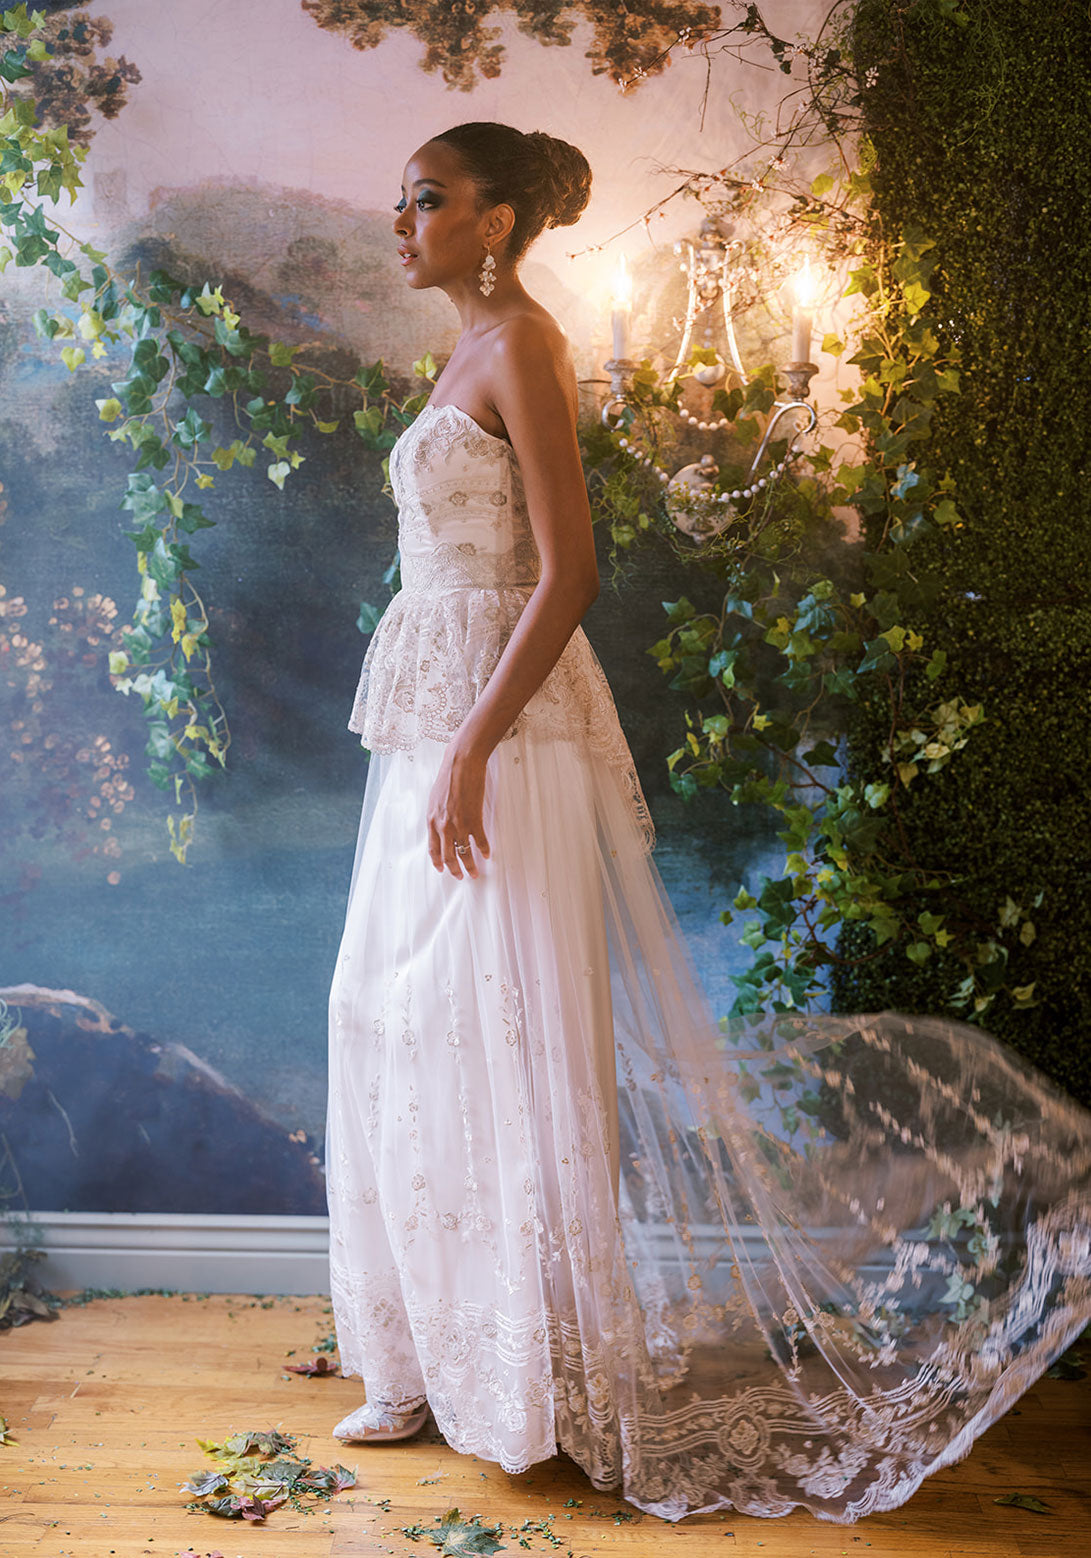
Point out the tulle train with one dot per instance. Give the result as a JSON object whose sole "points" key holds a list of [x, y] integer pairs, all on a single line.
{"points": [[795, 1261]]}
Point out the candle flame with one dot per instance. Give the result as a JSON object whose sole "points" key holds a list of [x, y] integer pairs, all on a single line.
{"points": [[623, 285], [805, 284]]}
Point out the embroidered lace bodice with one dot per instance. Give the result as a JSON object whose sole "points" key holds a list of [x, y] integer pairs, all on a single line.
{"points": [[469, 563]]}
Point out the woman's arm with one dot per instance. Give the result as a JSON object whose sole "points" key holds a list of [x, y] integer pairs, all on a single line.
{"points": [[532, 385], [532, 391]]}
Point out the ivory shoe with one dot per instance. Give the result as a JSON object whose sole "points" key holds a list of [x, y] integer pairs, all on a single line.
{"points": [[379, 1422]]}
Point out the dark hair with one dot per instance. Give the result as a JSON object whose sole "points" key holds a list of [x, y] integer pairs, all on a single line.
{"points": [[546, 181]]}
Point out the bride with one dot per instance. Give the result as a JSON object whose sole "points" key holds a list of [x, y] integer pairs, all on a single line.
{"points": [[796, 1260]]}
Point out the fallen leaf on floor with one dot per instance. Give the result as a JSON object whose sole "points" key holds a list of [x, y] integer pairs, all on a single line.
{"points": [[1068, 1366], [249, 1486], [616, 1515], [457, 1537], [1025, 1501], [327, 1479], [22, 1299], [234, 1507], [205, 1482], [271, 1443]]}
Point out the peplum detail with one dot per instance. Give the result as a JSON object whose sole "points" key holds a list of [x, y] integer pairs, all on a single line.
{"points": [[469, 563]]}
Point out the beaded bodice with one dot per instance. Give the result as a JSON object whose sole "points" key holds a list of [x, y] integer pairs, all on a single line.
{"points": [[462, 515], [469, 563]]}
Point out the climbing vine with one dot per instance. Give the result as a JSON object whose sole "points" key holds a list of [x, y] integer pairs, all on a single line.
{"points": [[807, 629], [188, 368], [825, 689]]}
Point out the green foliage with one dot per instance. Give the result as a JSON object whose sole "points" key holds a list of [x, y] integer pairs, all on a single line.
{"points": [[898, 704], [22, 1296], [810, 630], [626, 43], [457, 1537], [180, 349], [256, 1472], [977, 120]]}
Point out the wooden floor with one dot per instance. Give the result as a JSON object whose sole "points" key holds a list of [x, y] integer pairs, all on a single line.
{"points": [[106, 1403]]}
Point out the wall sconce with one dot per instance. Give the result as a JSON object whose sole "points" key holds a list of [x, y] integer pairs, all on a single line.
{"points": [[692, 500]]}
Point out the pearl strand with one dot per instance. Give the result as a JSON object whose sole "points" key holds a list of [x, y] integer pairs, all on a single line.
{"points": [[703, 427], [721, 497]]}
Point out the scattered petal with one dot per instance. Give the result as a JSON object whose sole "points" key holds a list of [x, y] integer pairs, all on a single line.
{"points": [[314, 1366]]}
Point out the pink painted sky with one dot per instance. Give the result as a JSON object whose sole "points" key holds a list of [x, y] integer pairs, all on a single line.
{"points": [[254, 90]]}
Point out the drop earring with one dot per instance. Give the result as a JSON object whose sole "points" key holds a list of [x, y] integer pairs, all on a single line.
{"points": [[487, 279]]}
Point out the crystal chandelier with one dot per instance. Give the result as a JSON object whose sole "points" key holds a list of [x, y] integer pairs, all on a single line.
{"points": [[695, 502]]}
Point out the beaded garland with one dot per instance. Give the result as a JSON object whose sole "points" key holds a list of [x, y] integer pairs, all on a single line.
{"points": [[720, 497]]}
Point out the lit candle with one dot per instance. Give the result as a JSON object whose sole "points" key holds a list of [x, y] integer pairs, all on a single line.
{"points": [[802, 315], [621, 309]]}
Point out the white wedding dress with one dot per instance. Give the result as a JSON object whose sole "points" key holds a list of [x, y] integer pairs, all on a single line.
{"points": [[795, 1261]]}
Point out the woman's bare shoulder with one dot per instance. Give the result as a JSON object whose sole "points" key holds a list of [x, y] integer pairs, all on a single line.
{"points": [[533, 330], [531, 347]]}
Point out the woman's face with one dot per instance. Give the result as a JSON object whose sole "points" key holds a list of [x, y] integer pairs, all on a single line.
{"points": [[441, 229]]}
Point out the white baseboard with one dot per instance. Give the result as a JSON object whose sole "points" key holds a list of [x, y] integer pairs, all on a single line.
{"points": [[187, 1252], [191, 1252]]}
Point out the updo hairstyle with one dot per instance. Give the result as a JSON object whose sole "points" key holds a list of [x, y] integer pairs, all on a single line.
{"points": [[546, 181]]}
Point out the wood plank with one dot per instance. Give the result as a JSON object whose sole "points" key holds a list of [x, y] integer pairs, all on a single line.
{"points": [[107, 1402]]}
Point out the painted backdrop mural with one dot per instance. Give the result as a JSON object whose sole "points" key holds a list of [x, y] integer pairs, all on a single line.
{"points": [[164, 1042]]}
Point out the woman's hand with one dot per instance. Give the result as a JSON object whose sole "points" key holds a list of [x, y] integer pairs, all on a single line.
{"points": [[455, 809]]}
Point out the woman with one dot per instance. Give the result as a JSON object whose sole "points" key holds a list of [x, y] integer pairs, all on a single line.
{"points": [[839, 1247]]}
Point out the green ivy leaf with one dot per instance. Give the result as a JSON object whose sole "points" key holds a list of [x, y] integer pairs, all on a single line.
{"points": [[681, 610], [372, 380], [877, 657], [460, 1538], [916, 295], [191, 431]]}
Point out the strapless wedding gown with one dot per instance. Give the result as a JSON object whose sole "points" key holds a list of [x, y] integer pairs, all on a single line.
{"points": [[800, 1260]]}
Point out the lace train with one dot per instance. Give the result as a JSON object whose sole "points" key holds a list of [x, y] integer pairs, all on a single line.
{"points": [[796, 1261]]}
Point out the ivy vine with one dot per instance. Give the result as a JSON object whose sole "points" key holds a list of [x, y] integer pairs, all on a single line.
{"points": [[812, 640], [183, 349]]}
